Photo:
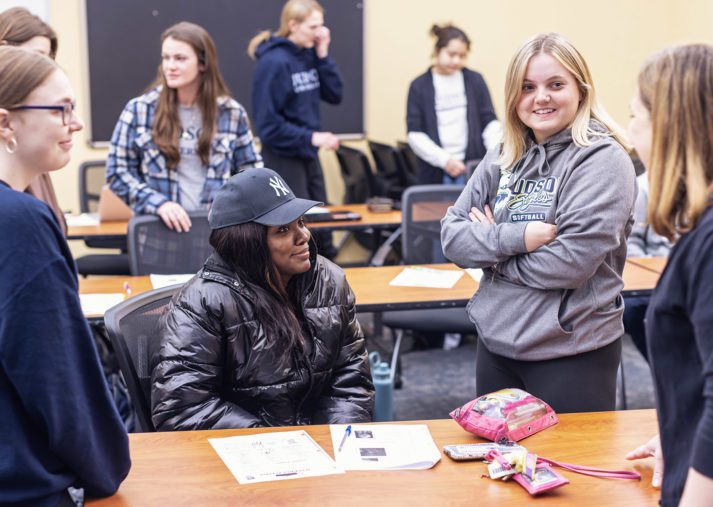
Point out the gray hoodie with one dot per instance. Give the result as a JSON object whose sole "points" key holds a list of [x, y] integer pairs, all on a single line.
{"points": [[563, 298]]}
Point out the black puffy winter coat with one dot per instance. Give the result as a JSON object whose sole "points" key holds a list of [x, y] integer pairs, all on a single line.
{"points": [[215, 368]]}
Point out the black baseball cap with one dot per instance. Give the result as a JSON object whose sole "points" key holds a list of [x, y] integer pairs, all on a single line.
{"points": [[257, 194]]}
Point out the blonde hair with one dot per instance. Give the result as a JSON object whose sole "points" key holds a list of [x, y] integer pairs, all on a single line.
{"points": [[293, 10], [676, 87], [515, 131]]}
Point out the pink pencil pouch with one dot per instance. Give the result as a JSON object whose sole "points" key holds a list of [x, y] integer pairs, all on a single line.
{"points": [[505, 415]]}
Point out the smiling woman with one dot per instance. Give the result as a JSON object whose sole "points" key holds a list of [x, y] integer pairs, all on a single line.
{"points": [[547, 217], [266, 333], [57, 415], [175, 146]]}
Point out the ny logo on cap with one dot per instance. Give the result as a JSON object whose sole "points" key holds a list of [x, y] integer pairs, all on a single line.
{"points": [[278, 185]]}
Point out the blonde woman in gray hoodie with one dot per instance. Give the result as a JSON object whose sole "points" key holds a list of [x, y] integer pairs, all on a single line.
{"points": [[546, 215]]}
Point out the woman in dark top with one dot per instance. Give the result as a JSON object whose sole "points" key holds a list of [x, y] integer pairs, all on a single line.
{"points": [[450, 117], [58, 424], [672, 131], [266, 333]]}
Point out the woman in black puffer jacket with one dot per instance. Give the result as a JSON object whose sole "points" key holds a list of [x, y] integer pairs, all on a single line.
{"points": [[266, 333]]}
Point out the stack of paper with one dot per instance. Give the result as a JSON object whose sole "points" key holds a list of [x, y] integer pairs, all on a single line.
{"points": [[418, 276], [85, 219], [384, 447]]}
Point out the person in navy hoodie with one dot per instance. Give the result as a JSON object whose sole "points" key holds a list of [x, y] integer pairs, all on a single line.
{"points": [[59, 428], [672, 130], [294, 73]]}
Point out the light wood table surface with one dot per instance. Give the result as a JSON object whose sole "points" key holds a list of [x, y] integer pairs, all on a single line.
{"points": [[181, 469], [373, 292], [369, 220], [656, 264]]}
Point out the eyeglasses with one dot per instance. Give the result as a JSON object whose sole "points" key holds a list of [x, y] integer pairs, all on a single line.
{"points": [[66, 108]]}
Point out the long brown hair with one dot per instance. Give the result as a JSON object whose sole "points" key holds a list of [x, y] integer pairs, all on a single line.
{"points": [[166, 128], [18, 25], [676, 87], [515, 132], [293, 10], [244, 247]]}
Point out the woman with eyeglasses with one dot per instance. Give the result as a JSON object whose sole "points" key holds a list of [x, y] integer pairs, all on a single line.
{"points": [[175, 146], [19, 27], [59, 427]]}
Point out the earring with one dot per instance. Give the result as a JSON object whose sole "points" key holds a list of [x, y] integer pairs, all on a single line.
{"points": [[11, 145]]}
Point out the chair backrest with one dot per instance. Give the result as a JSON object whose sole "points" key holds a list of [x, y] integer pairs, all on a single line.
{"points": [[156, 249], [410, 160], [422, 208], [359, 183], [91, 179], [133, 328], [389, 164]]}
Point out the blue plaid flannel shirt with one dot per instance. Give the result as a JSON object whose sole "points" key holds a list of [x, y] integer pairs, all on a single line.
{"points": [[136, 170]]}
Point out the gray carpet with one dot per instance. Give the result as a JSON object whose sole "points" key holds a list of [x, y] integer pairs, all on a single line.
{"points": [[435, 381]]}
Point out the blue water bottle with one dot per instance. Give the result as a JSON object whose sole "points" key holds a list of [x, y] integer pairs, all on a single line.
{"points": [[384, 386]]}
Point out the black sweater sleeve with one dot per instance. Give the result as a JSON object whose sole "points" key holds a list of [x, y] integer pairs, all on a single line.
{"points": [[701, 314]]}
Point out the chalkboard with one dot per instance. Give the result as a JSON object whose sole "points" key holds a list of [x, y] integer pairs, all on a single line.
{"points": [[124, 48]]}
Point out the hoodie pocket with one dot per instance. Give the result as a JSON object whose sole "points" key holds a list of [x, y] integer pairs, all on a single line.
{"points": [[520, 322]]}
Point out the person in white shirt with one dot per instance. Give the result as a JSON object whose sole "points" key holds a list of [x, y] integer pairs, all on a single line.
{"points": [[450, 117]]}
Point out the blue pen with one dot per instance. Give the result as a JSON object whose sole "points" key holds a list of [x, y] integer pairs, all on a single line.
{"points": [[347, 432]]}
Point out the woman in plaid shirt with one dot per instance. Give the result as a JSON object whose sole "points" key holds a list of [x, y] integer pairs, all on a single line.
{"points": [[176, 145]]}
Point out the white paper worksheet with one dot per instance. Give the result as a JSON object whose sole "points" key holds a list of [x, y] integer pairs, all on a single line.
{"points": [[274, 456], [384, 447], [161, 281], [419, 276]]}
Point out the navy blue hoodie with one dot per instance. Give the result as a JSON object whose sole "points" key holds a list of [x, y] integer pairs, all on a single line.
{"points": [[288, 85], [58, 424]]}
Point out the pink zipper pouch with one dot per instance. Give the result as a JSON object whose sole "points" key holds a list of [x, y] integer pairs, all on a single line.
{"points": [[505, 415]]}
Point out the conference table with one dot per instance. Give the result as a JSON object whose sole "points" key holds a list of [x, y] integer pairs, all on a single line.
{"points": [[368, 220], [182, 469], [372, 289]]}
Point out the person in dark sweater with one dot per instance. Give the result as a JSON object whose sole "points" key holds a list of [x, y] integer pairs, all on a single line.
{"points": [[58, 424], [672, 131], [450, 117], [294, 73]]}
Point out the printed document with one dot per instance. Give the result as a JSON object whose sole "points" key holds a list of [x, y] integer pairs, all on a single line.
{"points": [[274, 456], [161, 281], [98, 304], [419, 276], [384, 447]]}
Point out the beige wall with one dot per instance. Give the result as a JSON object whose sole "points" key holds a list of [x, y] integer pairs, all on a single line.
{"points": [[615, 37]]}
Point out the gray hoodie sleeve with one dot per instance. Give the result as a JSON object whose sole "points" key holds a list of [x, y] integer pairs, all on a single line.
{"points": [[594, 209], [475, 245]]}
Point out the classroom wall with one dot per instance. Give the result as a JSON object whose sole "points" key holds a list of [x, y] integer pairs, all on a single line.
{"points": [[615, 36]]}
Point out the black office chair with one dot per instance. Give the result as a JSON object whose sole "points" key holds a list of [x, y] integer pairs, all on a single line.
{"points": [[391, 169], [133, 327], [422, 208], [410, 161], [91, 179], [359, 180], [156, 249]]}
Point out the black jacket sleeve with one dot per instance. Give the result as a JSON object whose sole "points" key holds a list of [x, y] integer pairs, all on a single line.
{"points": [[187, 379], [350, 397]]}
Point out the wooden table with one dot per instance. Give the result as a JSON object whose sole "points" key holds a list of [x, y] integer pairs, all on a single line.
{"points": [[181, 469], [655, 264], [369, 220], [373, 292]]}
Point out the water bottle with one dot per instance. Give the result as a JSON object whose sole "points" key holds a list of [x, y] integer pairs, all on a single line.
{"points": [[384, 386]]}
